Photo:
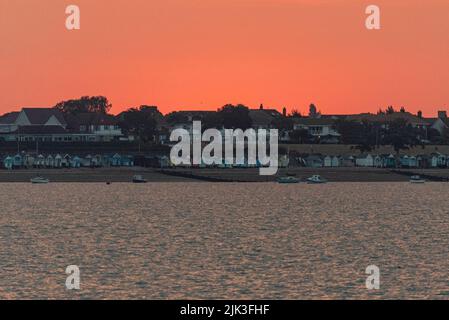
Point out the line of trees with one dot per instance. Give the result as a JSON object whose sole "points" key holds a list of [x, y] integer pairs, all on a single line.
{"points": [[86, 104], [368, 135]]}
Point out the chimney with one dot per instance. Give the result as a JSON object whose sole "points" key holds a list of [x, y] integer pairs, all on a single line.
{"points": [[442, 114], [284, 112], [420, 114]]}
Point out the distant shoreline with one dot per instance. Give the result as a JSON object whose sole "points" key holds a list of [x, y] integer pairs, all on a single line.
{"points": [[346, 174]]}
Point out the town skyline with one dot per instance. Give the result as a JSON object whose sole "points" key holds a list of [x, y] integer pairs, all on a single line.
{"points": [[303, 110], [279, 53]]}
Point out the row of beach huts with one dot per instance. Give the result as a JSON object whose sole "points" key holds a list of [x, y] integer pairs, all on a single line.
{"points": [[24, 160], [434, 160]]}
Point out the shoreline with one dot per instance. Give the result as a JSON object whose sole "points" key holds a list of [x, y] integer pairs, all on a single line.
{"points": [[237, 175]]}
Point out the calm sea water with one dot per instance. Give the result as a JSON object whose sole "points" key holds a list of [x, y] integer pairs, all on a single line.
{"points": [[218, 241]]}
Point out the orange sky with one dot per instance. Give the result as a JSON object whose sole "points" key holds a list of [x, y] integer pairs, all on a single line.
{"points": [[193, 54]]}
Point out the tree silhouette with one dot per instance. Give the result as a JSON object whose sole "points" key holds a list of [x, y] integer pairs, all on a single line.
{"points": [[295, 114], [390, 110], [86, 104], [363, 134], [400, 135], [140, 122]]}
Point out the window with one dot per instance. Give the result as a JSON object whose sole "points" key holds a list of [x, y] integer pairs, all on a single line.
{"points": [[315, 130]]}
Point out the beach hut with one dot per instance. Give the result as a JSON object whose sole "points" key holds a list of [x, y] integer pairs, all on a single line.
{"points": [[116, 160], [442, 159], [106, 160], [8, 163], [97, 161], [438, 160], [408, 161], [39, 161], [284, 161], [65, 163], [164, 161], [127, 161], [422, 161], [314, 161], [28, 161], [57, 161], [347, 161], [433, 161], [389, 161], [378, 161], [86, 161], [336, 161], [365, 161], [17, 161], [49, 161], [75, 162], [328, 161]]}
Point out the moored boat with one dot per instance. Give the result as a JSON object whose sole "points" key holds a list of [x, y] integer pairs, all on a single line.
{"points": [[416, 179], [289, 179], [139, 179], [316, 179], [39, 180]]}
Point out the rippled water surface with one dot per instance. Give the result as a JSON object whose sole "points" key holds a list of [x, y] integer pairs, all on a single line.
{"points": [[201, 240]]}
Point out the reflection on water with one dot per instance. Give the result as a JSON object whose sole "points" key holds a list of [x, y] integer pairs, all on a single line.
{"points": [[218, 241]]}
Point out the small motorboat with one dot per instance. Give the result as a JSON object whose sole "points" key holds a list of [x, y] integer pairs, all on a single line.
{"points": [[316, 179], [289, 179], [39, 180], [139, 179], [416, 179]]}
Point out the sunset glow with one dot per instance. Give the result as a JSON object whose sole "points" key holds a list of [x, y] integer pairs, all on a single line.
{"points": [[202, 54]]}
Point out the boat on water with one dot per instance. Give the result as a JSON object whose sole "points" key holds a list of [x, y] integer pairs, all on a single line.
{"points": [[316, 179], [139, 179], [416, 179], [288, 179], [39, 180]]}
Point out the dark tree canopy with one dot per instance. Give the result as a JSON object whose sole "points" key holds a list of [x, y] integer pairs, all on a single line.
{"points": [[362, 134], [235, 116], [283, 124], [97, 104], [390, 110], [401, 135], [229, 117], [295, 114], [140, 122], [300, 136]]}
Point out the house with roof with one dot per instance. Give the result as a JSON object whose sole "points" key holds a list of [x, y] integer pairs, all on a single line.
{"points": [[385, 119], [263, 118], [94, 127], [8, 122], [34, 124], [322, 129], [40, 117], [51, 125], [441, 123]]}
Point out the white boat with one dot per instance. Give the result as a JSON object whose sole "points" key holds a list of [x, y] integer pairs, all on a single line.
{"points": [[139, 179], [416, 179], [316, 179], [39, 180], [288, 180]]}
